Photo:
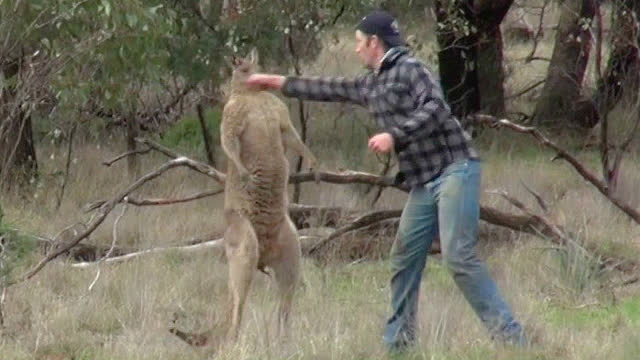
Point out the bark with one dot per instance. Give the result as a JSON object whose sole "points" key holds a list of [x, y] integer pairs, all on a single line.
{"points": [[472, 58], [489, 16], [564, 79], [457, 60], [622, 75]]}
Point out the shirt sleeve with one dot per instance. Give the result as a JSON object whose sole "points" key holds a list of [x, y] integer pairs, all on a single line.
{"points": [[430, 108], [336, 89]]}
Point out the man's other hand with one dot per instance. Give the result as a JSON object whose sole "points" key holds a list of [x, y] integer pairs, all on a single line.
{"points": [[381, 143]]}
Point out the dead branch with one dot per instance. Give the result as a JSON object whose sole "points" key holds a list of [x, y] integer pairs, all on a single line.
{"points": [[558, 236], [124, 155], [113, 244], [193, 164], [101, 216], [188, 248], [561, 153], [155, 202], [537, 196], [359, 223]]}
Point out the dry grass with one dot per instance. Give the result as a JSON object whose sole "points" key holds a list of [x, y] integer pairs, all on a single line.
{"points": [[340, 308]]}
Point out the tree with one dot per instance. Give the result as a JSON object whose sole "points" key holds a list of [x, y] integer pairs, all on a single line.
{"points": [[564, 79], [470, 54]]}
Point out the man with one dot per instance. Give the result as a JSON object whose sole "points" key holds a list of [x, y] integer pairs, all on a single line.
{"points": [[436, 160]]}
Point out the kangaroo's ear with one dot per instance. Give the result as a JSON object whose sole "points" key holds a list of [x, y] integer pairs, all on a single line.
{"points": [[253, 56], [232, 61]]}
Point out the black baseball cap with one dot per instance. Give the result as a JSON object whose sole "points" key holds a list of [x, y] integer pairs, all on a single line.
{"points": [[383, 25]]}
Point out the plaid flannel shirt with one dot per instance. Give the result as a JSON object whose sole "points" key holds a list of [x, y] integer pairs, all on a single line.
{"points": [[407, 102]]}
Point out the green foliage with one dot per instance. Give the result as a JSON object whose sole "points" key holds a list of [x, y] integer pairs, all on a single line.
{"points": [[15, 249], [186, 133]]}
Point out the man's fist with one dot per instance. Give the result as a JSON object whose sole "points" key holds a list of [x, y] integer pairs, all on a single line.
{"points": [[265, 81]]}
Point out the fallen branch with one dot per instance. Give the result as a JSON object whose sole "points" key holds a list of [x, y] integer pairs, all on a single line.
{"points": [[124, 155], [359, 223], [558, 236], [155, 202], [188, 248], [113, 244], [100, 217], [561, 153]]}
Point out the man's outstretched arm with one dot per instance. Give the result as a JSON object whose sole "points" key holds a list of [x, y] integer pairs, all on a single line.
{"points": [[335, 89]]}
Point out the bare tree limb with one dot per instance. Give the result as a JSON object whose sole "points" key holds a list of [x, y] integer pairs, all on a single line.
{"points": [[188, 248], [155, 202], [561, 153], [124, 155], [113, 244], [538, 198], [101, 216], [361, 222]]}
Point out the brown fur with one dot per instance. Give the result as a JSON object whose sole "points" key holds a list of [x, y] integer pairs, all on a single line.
{"points": [[255, 133]]}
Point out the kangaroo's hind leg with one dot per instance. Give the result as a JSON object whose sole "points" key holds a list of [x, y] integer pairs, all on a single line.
{"points": [[286, 268], [241, 249]]}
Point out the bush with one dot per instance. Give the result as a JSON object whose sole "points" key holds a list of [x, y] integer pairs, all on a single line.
{"points": [[15, 249], [186, 134]]}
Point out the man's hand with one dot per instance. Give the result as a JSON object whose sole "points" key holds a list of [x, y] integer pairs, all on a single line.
{"points": [[381, 143], [265, 81]]}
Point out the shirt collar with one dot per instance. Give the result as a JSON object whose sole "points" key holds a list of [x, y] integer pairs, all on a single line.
{"points": [[390, 57]]}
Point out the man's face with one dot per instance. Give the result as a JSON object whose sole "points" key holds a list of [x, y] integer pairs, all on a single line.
{"points": [[365, 48]]}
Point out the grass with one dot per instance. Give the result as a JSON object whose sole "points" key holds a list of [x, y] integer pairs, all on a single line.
{"points": [[566, 304]]}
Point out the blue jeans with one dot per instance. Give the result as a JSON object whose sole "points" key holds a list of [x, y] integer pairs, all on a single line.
{"points": [[448, 205]]}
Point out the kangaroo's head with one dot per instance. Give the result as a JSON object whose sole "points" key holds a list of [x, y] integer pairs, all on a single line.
{"points": [[243, 67]]}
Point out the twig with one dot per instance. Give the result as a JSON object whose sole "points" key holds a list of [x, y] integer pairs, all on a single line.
{"points": [[67, 166], [155, 202], [561, 153], [538, 198], [194, 165], [124, 155], [113, 244], [526, 90], [108, 260]]}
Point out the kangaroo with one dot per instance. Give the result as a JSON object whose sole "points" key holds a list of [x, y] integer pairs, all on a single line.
{"points": [[256, 131]]}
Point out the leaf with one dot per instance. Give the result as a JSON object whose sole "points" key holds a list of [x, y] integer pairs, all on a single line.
{"points": [[154, 9], [132, 20], [107, 7]]}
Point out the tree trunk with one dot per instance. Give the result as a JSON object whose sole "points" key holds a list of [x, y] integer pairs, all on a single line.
{"points": [[471, 54], [18, 160], [568, 62], [622, 74], [489, 16], [457, 60]]}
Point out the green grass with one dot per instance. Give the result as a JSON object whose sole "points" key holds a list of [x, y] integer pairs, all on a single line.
{"points": [[610, 316]]}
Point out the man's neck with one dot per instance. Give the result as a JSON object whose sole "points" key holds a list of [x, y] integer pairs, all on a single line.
{"points": [[381, 59]]}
